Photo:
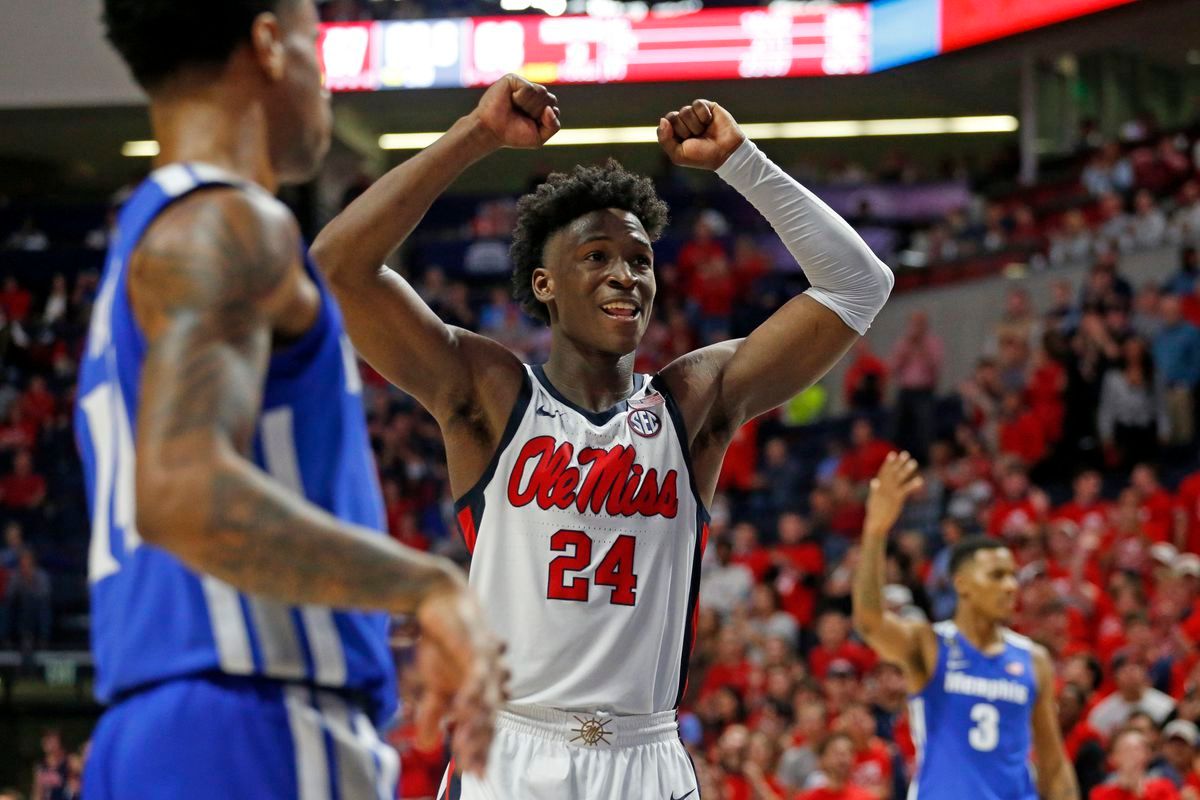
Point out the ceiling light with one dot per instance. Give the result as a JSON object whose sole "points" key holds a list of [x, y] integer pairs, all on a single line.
{"points": [[142, 148], [822, 129]]}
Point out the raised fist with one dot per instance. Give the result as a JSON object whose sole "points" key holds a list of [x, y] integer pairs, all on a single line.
{"points": [[517, 113], [701, 135]]}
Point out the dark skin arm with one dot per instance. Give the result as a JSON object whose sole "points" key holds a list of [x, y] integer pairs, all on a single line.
{"points": [[215, 278], [719, 388], [1056, 775], [909, 644], [467, 382]]}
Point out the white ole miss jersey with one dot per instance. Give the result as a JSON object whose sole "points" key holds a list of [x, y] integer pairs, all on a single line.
{"points": [[586, 533]]}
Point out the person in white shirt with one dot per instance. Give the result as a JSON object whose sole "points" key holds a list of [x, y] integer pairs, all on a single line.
{"points": [[1133, 693]]}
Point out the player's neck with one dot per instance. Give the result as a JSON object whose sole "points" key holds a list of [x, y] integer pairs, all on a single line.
{"points": [[983, 634], [589, 379], [214, 124]]}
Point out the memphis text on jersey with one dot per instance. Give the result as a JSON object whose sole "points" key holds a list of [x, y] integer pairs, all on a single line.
{"points": [[594, 479], [986, 688]]}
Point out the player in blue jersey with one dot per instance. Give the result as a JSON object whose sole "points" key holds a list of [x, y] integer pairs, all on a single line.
{"points": [[240, 579], [981, 696]]}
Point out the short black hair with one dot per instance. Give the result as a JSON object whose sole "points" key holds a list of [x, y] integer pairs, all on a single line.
{"points": [[565, 197], [158, 37], [966, 549]]}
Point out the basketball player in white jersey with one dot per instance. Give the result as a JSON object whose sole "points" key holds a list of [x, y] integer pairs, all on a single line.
{"points": [[582, 486]]}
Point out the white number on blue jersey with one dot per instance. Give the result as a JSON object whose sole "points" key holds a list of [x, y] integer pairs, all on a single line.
{"points": [[986, 733]]}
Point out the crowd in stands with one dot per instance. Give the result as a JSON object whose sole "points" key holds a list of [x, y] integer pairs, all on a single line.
{"points": [[1074, 439]]}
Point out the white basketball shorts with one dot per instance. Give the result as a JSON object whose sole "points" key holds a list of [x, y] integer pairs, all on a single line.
{"points": [[546, 754]]}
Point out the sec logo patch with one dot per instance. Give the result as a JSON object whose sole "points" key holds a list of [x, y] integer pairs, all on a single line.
{"points": [[644, 423]]}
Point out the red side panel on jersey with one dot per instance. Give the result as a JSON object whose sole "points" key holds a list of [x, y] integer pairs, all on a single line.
{"points": [[466, 521], [689, 638], [453, 784]]}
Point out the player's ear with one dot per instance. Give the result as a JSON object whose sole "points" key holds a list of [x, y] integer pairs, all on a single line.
{"points": [[543, 284], [266, 38]]}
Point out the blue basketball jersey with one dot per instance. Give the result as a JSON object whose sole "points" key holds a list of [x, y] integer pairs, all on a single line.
{"points": [[154, 619], [971, 723]]}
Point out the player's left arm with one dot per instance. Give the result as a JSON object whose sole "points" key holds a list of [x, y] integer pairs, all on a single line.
{"points": [[722, 386], [1056, 775]]}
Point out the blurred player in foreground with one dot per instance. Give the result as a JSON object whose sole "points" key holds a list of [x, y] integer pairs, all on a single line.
{"points": [[583, 487], [982, 696], [236, 518]]}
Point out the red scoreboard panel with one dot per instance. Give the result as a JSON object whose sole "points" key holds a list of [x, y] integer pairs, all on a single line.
{"points": [[702, 45], [714, 44], [968, 22]]}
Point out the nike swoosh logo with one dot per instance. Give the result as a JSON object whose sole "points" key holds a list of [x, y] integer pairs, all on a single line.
{"points": [[541, 412], [683, 796]]}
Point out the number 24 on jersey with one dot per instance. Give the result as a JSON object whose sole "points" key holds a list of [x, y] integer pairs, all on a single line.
{"points": [[615, 570]]}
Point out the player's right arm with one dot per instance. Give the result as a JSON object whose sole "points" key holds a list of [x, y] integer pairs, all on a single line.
{"points": [[215, 277], [909, 644], [390, 325]]}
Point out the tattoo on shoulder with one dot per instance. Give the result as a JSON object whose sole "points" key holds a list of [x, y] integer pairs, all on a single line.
{"points": [[200, 280]]}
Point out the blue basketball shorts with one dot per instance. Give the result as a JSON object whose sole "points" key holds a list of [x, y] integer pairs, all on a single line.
{"points": [[210, 737]]}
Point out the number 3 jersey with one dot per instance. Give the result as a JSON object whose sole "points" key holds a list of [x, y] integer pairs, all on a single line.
{"points": [[586, 534], [972, 723]]}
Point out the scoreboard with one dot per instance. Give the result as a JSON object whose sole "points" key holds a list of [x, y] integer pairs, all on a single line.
{"points": [[788, 40], [704, 45]]}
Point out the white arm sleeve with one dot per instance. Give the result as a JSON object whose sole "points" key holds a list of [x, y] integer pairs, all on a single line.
{"points": [[846, 276]]}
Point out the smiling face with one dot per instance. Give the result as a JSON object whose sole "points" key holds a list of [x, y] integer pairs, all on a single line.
{"points": [[598, 281]]}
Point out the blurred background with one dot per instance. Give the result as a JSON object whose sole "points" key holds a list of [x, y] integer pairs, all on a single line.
{"points": [[1029, 168]]}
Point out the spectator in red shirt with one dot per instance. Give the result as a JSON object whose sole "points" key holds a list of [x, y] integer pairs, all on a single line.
{"points": [[1087, 509], [865, 383], [18, 432], [22, 488], [702, 247], [847, 509], [1021, 432], [801, 565], [730, 668], [1130, 756], [1188, 499], [15, 300], [749, 264], [38, 403], [1155, 506], [872, 757], [834, 644], [1017, 509], [739, 469], [866, 453], [837, 762]]}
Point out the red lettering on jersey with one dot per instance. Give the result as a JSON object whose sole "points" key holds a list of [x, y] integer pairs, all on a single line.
{"points": [[603, 479]]}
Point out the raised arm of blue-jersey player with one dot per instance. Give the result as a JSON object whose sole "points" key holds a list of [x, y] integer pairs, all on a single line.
{"points": [[909, 644], [1055, 773], [390, 325]]}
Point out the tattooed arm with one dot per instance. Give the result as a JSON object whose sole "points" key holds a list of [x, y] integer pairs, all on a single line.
{"points": [[212, 281], [214, 277]]}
